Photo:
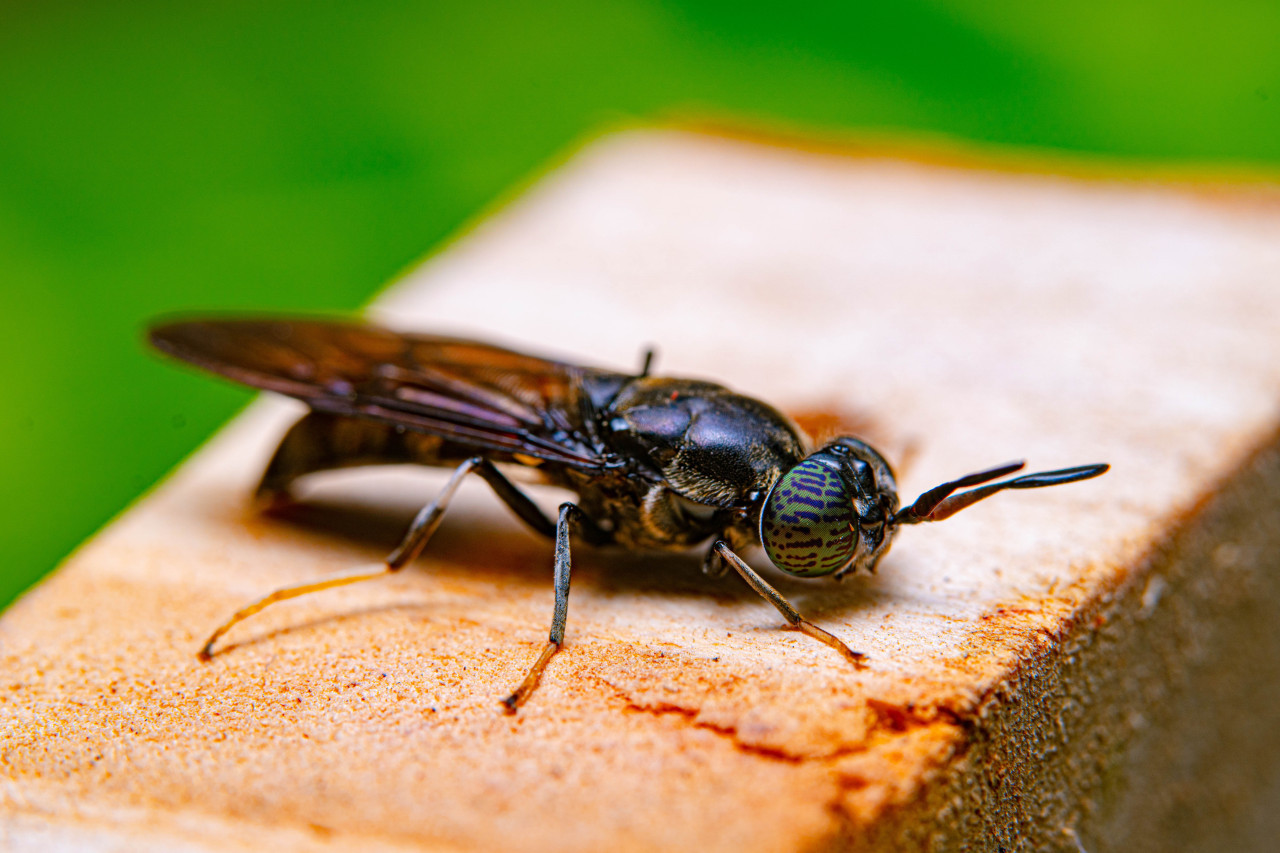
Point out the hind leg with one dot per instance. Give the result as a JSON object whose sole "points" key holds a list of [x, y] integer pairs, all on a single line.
{"points": [[415, 539]]}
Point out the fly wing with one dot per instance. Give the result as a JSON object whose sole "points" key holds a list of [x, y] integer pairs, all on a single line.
{"points": [[469, 392]]}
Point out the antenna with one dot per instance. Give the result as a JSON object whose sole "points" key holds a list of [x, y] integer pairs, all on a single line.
{"points": [[938, 503]]}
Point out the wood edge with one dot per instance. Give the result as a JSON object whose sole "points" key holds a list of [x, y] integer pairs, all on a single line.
{"points": [[949, 151], [957, 799], [1251, 184]]}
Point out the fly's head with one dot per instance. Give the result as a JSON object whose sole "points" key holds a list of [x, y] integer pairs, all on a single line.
{"points": [[832, 513], [837, 510]]}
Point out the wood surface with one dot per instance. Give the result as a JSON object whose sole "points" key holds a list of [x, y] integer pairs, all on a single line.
{"points": [[1085, 667]]}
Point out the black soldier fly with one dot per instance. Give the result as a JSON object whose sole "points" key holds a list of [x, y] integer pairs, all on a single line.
{"points": [[656, 462]]}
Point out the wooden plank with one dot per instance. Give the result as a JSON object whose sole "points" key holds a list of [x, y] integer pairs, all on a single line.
{"points": [[1089, 665]]}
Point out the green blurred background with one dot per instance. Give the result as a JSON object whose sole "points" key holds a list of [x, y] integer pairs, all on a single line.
{"points": [[287, 155]]}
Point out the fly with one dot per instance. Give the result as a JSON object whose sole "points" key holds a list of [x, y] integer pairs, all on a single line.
{"points": [[656, 462]]}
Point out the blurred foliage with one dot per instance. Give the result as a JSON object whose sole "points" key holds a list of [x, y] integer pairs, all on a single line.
{"points": [[295, 155]]}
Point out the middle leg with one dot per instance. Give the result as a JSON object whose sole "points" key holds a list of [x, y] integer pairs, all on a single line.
{"points": [[570, 514]]}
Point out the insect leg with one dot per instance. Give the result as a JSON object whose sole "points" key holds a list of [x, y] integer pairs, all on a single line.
{"points": [[646, 361], [520, 504], [788, 612], [712, 565], [569, 514], [424, 524], [529, 512]]}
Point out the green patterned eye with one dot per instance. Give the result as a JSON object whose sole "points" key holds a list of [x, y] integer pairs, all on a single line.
{"points": [[807, 525]]}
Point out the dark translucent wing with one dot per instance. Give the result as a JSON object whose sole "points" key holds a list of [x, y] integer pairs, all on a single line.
{"points": [[472, 393]]}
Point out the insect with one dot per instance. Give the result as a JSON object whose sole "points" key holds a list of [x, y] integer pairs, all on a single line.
{"points": [[656, 462]]}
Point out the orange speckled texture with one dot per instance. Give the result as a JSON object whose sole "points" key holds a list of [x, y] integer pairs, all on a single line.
{"points": [[1048, 670]]}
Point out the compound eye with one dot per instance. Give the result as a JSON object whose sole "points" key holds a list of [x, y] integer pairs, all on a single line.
{"points": [[807, 524]]}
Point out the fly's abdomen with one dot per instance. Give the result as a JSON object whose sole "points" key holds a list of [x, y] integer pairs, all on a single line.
{"points": [[321, 442]]}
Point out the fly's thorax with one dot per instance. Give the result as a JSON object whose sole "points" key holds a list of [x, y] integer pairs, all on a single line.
{"points": [[704, 442], [831, 512]]}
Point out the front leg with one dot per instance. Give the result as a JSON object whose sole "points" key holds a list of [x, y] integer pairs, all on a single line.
{"points": [[788, 612], [715, 566]]}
